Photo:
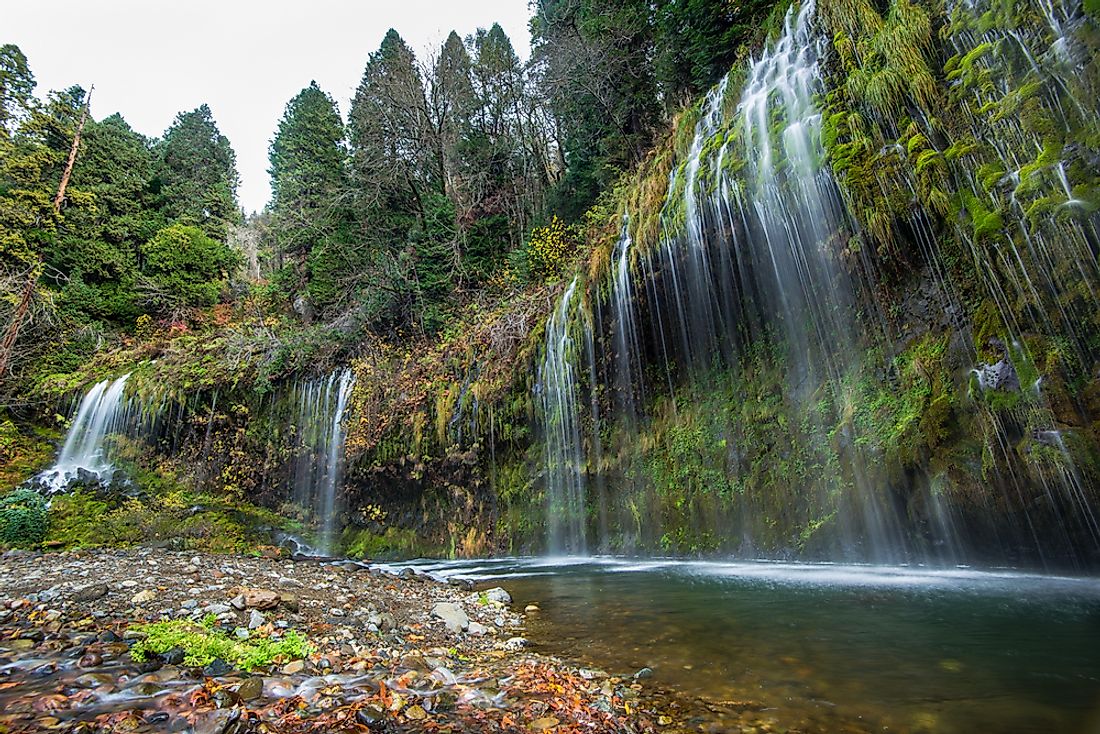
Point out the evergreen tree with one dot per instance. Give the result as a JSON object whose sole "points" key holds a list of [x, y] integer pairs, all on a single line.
{"points": [[393, 158], [198, 174], [16, 87], [99, 248], [308, 177]]}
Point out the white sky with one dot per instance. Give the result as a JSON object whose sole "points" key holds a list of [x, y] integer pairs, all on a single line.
{"points": [[150, 59]]}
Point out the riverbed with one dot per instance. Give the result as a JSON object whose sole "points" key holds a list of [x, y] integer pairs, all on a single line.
{"points": [[895, 648]]}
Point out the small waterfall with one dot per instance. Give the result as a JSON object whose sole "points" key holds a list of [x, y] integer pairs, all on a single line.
{"points": [[319, 467], [86, 453], [559, 399]]}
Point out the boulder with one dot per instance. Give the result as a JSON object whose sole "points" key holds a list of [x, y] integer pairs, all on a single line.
{"points": [[452, 615]]}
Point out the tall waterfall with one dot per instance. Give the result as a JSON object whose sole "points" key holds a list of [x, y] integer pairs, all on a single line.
{"points": [[561, 405], [102, 412], [319, 467]]}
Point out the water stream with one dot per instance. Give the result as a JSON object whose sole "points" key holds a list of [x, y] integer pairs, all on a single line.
{"points": [[826, 646]]}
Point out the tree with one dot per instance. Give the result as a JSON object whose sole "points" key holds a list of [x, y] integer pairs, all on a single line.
{"points": [[16, 88], [95, 258], [198, 174], [595, 62], [184, 268], [393, 157], [308, 177], [697, 43]]}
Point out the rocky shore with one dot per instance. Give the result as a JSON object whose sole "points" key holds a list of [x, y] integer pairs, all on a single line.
{"points": [[148, 640]]}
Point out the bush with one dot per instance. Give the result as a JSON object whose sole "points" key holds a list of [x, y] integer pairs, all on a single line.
{"points": [[24, 518], [550, 248], [184, 268]]}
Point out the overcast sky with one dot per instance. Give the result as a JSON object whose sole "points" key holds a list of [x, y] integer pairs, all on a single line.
{"points": [[150, 59]]}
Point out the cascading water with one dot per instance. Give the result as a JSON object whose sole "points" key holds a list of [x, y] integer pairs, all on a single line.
{"points": [[319, 466], [86, 453], [561, 405]]}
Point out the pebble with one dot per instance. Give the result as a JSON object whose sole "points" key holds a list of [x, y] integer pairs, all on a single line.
{"points": [[531, 608], [255, 620], [143, 597], [294, 666]]}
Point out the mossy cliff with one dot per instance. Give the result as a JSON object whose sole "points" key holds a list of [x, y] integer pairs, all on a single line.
{"points": [[931, 393]]}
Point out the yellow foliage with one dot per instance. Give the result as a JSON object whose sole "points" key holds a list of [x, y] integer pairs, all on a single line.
{"points": [[550, 248]]}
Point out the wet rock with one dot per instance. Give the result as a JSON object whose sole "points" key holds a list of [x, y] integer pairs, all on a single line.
{"points": [[251, 688], [90, 660], [217, 667], [531, 608], [370, 716], [174, 656], [498, 595], [515, 643], [294, 667], [452, 615], [107, 636], [643, 673]]}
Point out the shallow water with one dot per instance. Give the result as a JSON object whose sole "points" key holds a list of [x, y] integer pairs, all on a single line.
{"points": [[881, 648]]}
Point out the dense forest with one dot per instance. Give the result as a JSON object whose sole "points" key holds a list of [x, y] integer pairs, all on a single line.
{"points": [[811, 281]]}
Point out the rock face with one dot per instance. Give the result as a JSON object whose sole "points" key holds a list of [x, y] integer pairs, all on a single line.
{"points": [[999, 376], [452, 615]]}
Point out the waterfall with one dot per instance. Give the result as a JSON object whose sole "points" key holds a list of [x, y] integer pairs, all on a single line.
{"points": [[318, 470], [559, 400], [86, 453]]}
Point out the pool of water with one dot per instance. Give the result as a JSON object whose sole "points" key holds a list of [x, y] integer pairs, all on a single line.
{"points": [[898, 649]]}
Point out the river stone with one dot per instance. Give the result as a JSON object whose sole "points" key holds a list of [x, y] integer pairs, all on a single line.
{"points": [[516, 643], [251, 688], [260, 599], [217, 668], [476, 628], [143, 597], [91, 593], [498, 595], [294, 666], [255, 620], [452, 615]]}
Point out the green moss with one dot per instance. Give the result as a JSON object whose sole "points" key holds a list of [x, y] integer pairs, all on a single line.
{"points": [[391, 542], [202, 644], [23, 451]]}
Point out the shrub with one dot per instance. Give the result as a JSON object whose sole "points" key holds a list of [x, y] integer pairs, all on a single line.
{"points": [[24, 518]]}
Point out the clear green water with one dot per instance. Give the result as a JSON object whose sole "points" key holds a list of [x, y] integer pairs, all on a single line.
{"points": [[826, 647]]}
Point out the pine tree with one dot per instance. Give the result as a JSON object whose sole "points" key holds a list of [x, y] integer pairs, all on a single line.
{"points": [[308, 176], [198, 174]]}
